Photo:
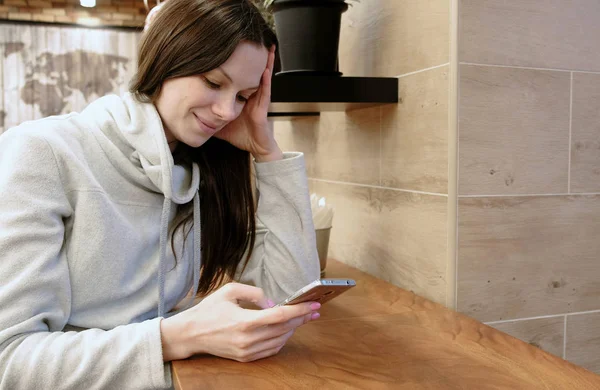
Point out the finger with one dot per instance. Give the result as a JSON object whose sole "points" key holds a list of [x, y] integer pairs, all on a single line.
{"points": [[268, 348], [309, 317], [281, 314], [271, 59], [271, 331], [264, 92], [265, 85], [261, 338], [236, 292], [275, 342], [262, 355]]}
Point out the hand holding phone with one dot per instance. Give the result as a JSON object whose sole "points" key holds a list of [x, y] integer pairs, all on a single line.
{"points": [[321, 290]]}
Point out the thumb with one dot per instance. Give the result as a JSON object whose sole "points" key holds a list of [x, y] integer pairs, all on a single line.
{"points": [[236, 292]]}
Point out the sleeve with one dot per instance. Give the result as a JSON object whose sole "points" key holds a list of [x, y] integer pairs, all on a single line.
{"points": [[35, 293], [285, 256]]}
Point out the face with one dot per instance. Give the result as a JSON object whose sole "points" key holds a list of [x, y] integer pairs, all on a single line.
{"points": [[194, 108]]}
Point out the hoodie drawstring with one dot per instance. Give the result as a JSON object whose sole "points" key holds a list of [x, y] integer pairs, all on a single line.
{"points": [[164, 231], [164, 235], [197, 249]]}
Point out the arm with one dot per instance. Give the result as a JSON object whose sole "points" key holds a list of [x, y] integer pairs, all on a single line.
{"points": [[285, 253], [35, 291]]}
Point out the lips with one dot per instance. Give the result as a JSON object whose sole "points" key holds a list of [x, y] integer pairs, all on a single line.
{"points": [[205, 126]]}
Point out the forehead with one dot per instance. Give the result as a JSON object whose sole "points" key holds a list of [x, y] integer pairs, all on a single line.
{"points": [[246, 64]]}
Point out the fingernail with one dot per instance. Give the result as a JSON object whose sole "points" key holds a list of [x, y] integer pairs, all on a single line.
{"points": [[315, 306], [270, 303], [314, 316]]}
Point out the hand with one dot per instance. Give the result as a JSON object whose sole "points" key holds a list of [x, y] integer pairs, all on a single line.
{"points": [[220, 327], [251, 131]]}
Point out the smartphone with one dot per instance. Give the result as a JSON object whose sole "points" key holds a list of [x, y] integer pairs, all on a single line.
{"points": [[321, 290]]}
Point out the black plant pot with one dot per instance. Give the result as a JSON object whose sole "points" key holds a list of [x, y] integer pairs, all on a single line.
{"points": [[309, 34]]}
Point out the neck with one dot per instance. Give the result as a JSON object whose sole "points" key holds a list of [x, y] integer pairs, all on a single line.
{"points": [[172, 145]]}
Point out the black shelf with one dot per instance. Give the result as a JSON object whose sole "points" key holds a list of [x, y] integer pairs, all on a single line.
{"points": [[306, 95]]}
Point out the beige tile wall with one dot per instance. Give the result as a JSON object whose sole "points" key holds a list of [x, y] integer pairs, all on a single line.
{"points": [[338, 146], [385, 169], [545, 333], [514, 131], [414, 151], [549, 34], [399, 236], [583, 335], [392, 37], [529, 170], [585, 133], [528, 256]]}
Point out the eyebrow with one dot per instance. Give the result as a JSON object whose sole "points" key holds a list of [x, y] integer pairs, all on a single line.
{"points": [[231, 81]]}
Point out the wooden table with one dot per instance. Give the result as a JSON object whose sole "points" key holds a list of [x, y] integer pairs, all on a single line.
{"points": [[378, 336]]}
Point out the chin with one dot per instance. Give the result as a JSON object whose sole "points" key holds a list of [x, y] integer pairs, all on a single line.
{"points": [[195, 142]]}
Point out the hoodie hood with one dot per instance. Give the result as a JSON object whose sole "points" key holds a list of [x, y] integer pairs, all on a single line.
{"points": [[136, 129]]}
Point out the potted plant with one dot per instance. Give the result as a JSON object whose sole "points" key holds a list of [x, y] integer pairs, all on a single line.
{"points": [[308, 32]]}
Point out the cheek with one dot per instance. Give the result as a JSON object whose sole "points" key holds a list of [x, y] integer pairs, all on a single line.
{"points": [[238, 109], [203, 97], [169, 109], [195, 94]]}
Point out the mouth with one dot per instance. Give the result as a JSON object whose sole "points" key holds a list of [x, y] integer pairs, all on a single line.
{"points": [[206, 127]]}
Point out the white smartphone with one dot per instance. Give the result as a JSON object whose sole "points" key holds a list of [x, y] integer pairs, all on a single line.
{"points": [[321, 290]]}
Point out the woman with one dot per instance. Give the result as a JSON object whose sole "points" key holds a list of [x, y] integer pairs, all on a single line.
{"points": [[111, 217]]}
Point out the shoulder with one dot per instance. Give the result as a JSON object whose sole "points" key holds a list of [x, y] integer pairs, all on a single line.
{"points": [[27, 134], [63, 130], [54, 134]]}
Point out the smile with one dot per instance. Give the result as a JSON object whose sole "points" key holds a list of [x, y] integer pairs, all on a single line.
{"points": [[204, 127]]}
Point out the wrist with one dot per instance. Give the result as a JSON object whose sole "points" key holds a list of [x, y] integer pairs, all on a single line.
{"points": [[274, 155], [174, 345]]}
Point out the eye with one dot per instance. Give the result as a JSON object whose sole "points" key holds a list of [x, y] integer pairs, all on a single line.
{"points": [[210, 84], [242, 99]]}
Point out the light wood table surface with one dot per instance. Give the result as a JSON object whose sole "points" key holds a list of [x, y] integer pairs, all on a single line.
{"points": [[379, 336]]}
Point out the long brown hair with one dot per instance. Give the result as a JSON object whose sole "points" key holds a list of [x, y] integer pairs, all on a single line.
{"points": [[191, 37]]}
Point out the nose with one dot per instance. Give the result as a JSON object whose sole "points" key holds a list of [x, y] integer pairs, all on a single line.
{"points": [[225, 108]]}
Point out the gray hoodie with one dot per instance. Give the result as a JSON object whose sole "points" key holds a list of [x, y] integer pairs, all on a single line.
{"points": [[86, 267]]}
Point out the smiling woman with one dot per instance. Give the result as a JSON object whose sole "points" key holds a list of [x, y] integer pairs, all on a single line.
{"points": [[113, 219], [194, 108]]}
